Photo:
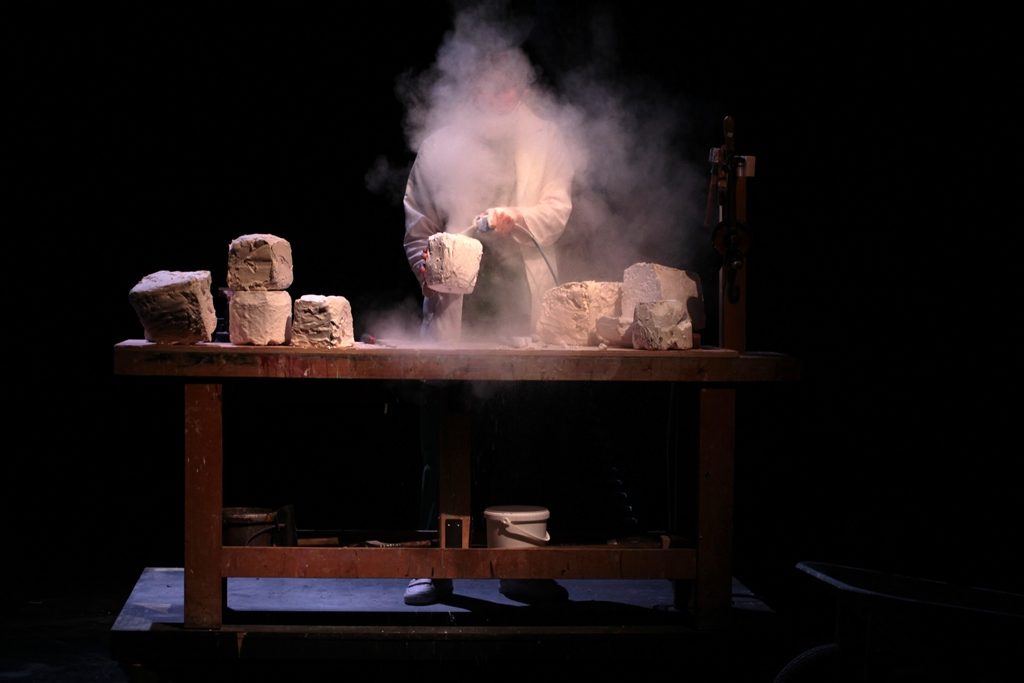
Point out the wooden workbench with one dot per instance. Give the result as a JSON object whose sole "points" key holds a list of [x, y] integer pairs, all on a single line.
{"points": [[204, 367]]}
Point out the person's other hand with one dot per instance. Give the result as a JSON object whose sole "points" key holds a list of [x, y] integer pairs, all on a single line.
{"points": [[503, 218], [424, 287]]}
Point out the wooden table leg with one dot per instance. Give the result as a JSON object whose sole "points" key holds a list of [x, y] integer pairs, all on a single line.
{"points": [[204, 455], [716, 456], [454, 477]]}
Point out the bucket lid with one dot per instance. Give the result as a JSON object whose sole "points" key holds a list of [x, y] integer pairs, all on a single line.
{"points": [[518, 513]]}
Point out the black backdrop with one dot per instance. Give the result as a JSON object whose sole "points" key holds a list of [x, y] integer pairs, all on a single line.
{"points": [[884, 252]]}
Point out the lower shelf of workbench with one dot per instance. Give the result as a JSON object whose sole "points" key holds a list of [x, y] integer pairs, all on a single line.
{"points": [[557, 562]]}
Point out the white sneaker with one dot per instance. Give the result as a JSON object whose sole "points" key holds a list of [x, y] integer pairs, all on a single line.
{"points": [[427, 591]]}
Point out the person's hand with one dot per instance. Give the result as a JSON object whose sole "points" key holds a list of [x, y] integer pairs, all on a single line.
{"points": [[503, 218], [424, 287]]}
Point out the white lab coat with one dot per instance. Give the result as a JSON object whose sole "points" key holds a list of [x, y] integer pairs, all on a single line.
{"points": [[460, 172]]}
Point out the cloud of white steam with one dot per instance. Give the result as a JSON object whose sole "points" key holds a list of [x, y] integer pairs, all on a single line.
{"points": [[394, 324], [634, 197]]}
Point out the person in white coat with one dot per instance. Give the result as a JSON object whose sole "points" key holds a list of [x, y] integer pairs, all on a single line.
{"points": [[497, 160], [500, 160]]}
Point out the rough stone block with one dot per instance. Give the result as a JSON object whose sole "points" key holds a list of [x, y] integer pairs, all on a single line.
{"points": [[259, 262], [322, 322], [260, 317], [175, 307], [662, 325]]}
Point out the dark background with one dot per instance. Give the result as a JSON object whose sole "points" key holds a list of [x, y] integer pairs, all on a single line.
{"points": [[883, 215]]}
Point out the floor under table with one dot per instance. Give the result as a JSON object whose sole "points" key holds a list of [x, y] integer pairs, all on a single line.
{"points": [[276, 627]]}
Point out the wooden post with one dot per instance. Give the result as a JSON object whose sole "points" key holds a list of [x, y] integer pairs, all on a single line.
{"points": [[454, 478], [716, 454], [727, 197], [204, 589], [732, 325]]}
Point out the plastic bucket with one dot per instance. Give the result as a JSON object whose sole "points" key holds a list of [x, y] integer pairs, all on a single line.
{"points": [[517, 526]]}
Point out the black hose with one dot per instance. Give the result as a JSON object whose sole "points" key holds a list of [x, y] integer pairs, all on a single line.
{"points": [[542, 254], [483, 225]]}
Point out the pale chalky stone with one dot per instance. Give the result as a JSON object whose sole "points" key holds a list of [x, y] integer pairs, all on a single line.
{"points": [[259, 261], [322, 322], [453, 263], [615, 331], [643, 282], [662, 325], [261, 318], [175, 307], [605, 300], [569, 312]]}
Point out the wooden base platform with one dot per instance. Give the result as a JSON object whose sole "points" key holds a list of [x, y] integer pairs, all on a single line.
{"points": [[320, 623]]}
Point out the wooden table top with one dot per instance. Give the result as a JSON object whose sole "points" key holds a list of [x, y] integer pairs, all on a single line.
{"points": [[456, 363]]}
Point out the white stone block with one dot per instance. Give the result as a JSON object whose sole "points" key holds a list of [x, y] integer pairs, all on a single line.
{"points": [[322, 322], [453, 263], [569, 312], [615, 331], [644, 282], [662, 325], [175, 307], [259, 262], [260, 317]]}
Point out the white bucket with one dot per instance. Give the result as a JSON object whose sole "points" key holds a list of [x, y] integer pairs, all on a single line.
{"points": [[517, 526]]}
